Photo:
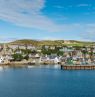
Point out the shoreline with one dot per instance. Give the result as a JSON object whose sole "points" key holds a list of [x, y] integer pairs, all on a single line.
{"points": [[25, 64]]}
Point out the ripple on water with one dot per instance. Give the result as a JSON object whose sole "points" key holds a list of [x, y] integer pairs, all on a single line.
{"points": [[46, 82]]}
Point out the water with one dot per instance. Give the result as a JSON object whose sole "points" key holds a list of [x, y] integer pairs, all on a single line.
{"points": [[46, 82]]}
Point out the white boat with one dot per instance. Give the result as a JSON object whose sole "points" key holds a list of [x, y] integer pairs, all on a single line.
{"points": [[30, 66], [57, 66]]}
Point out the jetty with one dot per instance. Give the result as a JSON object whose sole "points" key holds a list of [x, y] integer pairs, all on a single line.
{"points": [[78, 67]]}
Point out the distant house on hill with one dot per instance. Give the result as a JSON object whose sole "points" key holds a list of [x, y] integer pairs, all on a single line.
{"points": [[66, 49], [67, 42], [13, 46], [21, 46], [52, 47]]}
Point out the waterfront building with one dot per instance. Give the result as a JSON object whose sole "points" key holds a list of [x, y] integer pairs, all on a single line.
{"points": [[1, 59]]}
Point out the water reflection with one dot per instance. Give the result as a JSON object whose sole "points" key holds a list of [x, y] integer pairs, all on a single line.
{"points": [[46, 81]]}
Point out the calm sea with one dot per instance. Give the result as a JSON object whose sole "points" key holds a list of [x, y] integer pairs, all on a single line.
{"points": [[46, 82]]}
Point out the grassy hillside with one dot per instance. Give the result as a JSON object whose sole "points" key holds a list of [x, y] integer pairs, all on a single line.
{"points": [[51, 42], [38, 43], [25, 41]]}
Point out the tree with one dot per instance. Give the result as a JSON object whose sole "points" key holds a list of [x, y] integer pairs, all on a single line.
{"points": [[60, 53], [26, 57], [17, 57], [84, 52]]}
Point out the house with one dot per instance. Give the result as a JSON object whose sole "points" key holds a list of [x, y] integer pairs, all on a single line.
{"points": [[52, 47], [13, 46], [9, 58], [46, 47], [18, 52], [31, 47], [44, 59], [67, 42], [1, 59], [54, 59], [37, 56], [67, 49]]}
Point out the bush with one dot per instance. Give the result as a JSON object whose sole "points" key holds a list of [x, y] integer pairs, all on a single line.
{"points": [[26, 57], [17, 57], [60, 53], [26, 51]]}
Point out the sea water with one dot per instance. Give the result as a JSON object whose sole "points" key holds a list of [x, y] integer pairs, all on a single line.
{"points": [[41, 81]]}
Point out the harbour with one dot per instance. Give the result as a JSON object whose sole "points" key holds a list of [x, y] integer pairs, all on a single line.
{"points": [[47, 48], [78, 67]]}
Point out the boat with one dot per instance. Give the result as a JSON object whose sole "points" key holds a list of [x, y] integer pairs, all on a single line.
{"points": [[57, 66], [30, 66]]}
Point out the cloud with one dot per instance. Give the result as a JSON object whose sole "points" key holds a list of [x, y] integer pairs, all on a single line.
{"points": [[60, 7], [6, 39], [71, 6], [27, 13], [90, 36], [88, 32], [83, 5]]}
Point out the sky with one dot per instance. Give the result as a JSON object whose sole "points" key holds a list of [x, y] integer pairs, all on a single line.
{"points": [[47, 20]]}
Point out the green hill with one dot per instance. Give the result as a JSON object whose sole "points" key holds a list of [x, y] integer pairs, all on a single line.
{"points": [[25, 42], [52, 42]]}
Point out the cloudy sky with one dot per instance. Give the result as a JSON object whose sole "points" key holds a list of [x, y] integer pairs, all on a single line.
{"points": [[47, 19]]}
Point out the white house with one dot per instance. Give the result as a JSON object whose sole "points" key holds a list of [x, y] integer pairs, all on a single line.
{"points": [[54, 59], [1, 59]]}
